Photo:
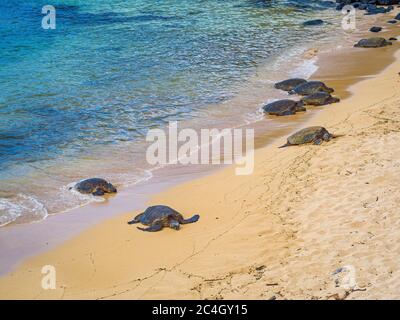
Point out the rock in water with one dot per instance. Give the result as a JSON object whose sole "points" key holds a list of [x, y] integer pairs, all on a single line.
{"points": [[319, 99], [315, 22], [289, 84], [283, 107], [375, 29], [372, 43]]}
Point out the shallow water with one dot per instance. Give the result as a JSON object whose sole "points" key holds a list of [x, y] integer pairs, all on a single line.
{"points": [[77, 101]]}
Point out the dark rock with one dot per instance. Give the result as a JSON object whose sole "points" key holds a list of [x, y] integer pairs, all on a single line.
{"points": [[315, 22], [392, 21], [375, 29], [393, 39]]}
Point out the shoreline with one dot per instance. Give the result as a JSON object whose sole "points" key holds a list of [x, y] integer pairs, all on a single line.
{"points": [[167, 239]]}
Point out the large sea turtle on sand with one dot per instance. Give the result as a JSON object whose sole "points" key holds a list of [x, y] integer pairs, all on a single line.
{"points": [[374, 42], [319, 99], [95, 186], [311, 134], [158, 217], [283, 107], [311, 87], [289, 84]]}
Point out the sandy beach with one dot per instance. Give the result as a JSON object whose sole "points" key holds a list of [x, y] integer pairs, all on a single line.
{"points": [[279, 233]]}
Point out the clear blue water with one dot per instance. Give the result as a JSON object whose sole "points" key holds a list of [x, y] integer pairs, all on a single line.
{"points": [[113, 69]]}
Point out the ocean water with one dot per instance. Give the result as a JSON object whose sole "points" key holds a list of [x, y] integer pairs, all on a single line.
{"points": [[77, 101]]}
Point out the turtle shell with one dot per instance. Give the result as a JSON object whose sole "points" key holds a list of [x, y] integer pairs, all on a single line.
{"points": [[307, 135], [311, 87], [283, 107], [319, 99]]}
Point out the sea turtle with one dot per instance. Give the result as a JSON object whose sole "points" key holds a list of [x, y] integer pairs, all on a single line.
{"points": [[289, 84], [374, 42], [319, 99], [158, 217], [283, 107], [95, 186], [311, 87], [308, 135]]}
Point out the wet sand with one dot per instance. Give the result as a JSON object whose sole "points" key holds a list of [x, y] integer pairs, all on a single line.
{"points": [[279, 232]]}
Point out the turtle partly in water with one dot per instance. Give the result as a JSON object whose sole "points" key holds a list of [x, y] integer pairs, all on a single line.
{"points": [[311, 87], [95, 186], [319, 99], [283, 107], [289, 84], [158, 217], [309, 135]]}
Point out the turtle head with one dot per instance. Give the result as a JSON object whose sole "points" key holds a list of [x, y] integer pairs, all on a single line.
{"points": [[174, 224], [110, 188], [327, 136]]}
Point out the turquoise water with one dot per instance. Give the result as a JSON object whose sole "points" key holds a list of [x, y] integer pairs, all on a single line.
{"points": [[75, 101]]}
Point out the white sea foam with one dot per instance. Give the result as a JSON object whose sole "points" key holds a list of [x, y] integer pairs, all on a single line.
{"points": [[22, 208]]}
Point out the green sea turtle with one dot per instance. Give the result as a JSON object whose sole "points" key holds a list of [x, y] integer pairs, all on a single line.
{"points": [[95, 186], [375, 42], [311, 87], [312, 134], [319, 99], [283, 107], [289, 84], [158, 217]]}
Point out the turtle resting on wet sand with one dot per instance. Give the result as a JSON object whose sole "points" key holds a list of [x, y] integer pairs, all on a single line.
{"points": [[319, 99], [158, 217], [283, 107], [311, 87], [375, 42], [289, 84], [309, 135], [94, 186]]}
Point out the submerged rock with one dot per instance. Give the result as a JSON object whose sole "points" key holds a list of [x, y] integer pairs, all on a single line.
{"points": [[315, 22], [372, 43], [283, 107]]}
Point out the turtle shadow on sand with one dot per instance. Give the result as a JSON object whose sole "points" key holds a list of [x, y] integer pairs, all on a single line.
{"points": [[158, 217]]}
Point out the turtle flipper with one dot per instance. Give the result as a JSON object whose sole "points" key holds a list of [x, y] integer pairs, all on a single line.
{"points": [[136, 219], [98, 192], [287, 144], [153, 228], [193, 219], [317, 142]]}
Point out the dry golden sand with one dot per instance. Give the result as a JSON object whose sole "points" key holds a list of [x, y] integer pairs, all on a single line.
{"points": [[280, 232]]}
